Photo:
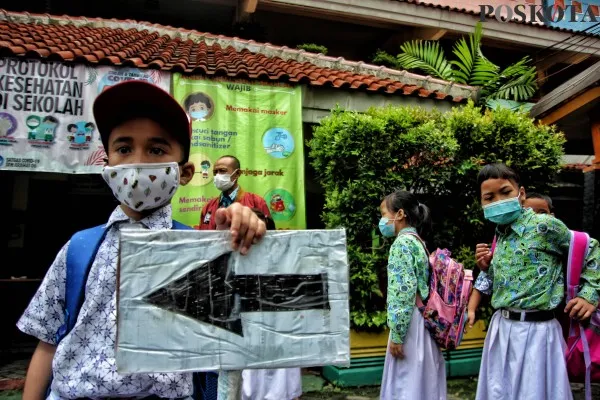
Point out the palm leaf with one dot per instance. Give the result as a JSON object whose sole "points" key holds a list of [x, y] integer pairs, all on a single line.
{"points": [[472, 66], [516, 82], [426, 56], [465, 62], [483, 72], [520, 89]]}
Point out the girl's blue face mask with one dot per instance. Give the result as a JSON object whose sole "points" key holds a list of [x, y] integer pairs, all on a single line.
{"points": [[503, 212], [387, 230]]}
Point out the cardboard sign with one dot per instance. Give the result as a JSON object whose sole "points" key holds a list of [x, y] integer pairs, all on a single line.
{"points": [[188, 303]]}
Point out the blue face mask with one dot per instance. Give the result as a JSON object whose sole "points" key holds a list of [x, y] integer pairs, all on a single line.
{"points": [[386, 229], [199, 114], [503, 212]]}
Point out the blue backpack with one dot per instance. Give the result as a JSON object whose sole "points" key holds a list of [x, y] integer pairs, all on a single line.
{"points": [[80, 255]]}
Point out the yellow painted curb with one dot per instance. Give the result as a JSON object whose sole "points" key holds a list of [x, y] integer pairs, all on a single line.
{"points": [[363, 344]]}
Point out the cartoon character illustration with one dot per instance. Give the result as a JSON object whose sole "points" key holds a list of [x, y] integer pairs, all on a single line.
{"points": [[205, 165], [277, 203], [5, 125], [72, 128], [8, 124], [89, 129], [33, 122], [42, 129], [80, 132], [199, 106]]}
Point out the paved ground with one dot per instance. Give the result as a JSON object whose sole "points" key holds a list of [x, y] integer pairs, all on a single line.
{"points": [[12, 372], [458, 389], [315, 388], [461, 389]]}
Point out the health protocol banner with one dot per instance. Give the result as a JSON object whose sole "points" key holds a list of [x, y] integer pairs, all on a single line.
{"points": [[46, 122], [261, 125]]}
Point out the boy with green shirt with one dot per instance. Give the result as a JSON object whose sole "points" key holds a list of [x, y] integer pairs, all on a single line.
{"points": [[523, 355]]}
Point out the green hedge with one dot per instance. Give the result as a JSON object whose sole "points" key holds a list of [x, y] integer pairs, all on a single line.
{"points": [[313, 48], [361, 157]]}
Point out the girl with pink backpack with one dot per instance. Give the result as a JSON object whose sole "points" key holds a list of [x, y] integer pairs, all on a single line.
{"points": [[414, 366], [523, 355]]}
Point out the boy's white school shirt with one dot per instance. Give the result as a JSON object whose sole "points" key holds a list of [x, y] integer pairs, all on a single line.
{"points": [[84, 363]]}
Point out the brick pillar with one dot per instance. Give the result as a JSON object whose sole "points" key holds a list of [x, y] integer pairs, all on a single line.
{"points": [[591, 188]]}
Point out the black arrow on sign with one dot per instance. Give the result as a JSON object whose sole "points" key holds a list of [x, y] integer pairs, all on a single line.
{"points": [[211, 293]]}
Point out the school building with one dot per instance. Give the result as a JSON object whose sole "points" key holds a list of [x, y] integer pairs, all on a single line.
{"points": [[52, 67], [79, 55], [574, 107]]}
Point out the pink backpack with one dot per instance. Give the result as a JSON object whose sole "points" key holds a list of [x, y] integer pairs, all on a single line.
{"points": [[583, 341], [450, 285]]}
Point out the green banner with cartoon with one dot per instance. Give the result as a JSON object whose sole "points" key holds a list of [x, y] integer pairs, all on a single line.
{"points": [[261, 125]]}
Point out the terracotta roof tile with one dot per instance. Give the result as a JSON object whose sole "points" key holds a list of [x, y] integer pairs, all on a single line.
{"points": [[576, 166], [143, 45]]}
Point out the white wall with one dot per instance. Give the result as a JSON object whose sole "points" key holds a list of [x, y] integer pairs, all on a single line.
{"points": [[317, 103]]}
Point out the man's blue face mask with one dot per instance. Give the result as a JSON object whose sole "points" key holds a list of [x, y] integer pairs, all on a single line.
{"points": [[503, 212]]}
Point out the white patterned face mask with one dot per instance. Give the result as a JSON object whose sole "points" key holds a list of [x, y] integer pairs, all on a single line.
{"points": [[143, 186]]}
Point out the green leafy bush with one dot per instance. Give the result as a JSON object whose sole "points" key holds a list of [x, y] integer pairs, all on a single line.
{"points": [[313, 48], [361, 157], [384, 58]]}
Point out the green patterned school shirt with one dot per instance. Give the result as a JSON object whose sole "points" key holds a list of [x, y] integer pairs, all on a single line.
{"points": [[527, 270], [408, 271]]}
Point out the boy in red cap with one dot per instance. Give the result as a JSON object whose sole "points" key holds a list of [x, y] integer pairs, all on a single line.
{"points": [[146, 135]]}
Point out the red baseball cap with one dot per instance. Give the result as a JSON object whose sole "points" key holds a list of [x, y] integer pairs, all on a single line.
{"points": [[140, 99]]}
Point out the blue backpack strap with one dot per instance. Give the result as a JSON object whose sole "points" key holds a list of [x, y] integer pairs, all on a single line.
{"points": [[80, 256], [81, 253]]}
